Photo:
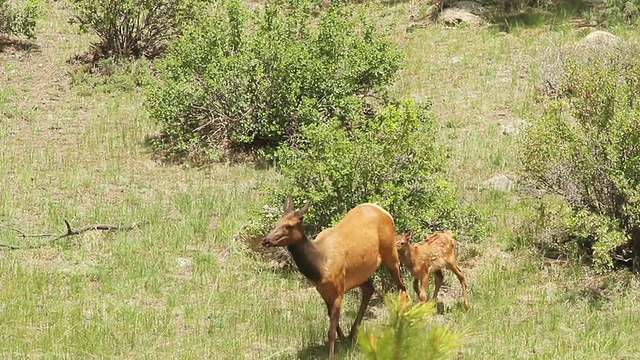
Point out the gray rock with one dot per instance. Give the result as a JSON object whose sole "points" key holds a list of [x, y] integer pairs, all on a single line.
{"points": [[471, 6], [456, 16], [598, 45], [600, 39], [513, 127], [499, 182], [455, 60]]}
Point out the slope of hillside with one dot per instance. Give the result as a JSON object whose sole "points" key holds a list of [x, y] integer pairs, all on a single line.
{"points": [[73, 146]]}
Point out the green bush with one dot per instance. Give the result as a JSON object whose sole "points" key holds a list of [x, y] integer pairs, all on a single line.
{"points": [[251, 79], [135, 28], [614, 12], [392, 160], [19, 18], [514, 6], [409, 334], [586, 149]]}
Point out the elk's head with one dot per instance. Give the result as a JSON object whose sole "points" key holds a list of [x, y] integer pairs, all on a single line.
{"points": [[288, 229], [403, 240]]}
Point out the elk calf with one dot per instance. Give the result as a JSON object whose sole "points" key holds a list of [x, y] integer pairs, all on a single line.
{"points": [[430, 256]]}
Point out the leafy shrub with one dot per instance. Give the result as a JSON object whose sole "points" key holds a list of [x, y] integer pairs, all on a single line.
{"points": [[135, 28], [509, 6], [250, 79], [614, 12], [409, 334], [19, 18], [561, 232], [392, 160], [586, 149]]}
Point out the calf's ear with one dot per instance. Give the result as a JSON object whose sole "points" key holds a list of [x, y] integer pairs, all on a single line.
{"points": [[409, 234]]}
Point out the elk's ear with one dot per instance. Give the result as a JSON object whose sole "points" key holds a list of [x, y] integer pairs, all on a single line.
{"points": [[304, 209], [288, 205], [408, 234]]}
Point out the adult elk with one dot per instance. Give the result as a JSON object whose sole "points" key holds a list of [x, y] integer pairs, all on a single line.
{"points": [[341, 257]]}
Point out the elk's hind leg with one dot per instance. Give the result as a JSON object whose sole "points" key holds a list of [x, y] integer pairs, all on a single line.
{"points": [[392, 263], [456, 270], [439, 280], [367, 290], [416, 286]]}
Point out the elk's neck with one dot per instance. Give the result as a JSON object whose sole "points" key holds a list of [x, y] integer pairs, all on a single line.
{"points": [[308, 259], [406, 257]]}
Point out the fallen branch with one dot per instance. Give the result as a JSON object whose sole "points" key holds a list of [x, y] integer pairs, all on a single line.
{"points": [[23, 235], [621, 258], [10, 247], [70, 232]]}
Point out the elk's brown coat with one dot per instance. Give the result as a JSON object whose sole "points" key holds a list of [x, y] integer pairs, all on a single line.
{"points": [[430, 256], [342, 257]]}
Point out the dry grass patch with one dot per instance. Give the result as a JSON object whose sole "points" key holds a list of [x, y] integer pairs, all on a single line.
{"points": [[182, 287]]}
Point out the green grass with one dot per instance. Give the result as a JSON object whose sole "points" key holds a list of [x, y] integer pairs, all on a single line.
{"points": [[72, 146], [530, 308]]}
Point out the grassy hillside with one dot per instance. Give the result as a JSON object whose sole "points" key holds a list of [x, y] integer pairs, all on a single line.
{"points": [[73, 146]]}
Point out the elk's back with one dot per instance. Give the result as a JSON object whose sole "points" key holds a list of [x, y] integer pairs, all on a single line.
{"points": [[359, 238]]}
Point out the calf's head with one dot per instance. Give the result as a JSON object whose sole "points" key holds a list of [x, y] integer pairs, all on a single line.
{"points": [[403, 240]]}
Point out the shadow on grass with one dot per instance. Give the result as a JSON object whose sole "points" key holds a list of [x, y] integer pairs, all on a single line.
{"points": [[162, 150], [347, 316], [321, 351], [563, 14], [14, 44]]}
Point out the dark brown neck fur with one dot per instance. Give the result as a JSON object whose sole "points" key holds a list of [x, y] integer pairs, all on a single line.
{"points": [[307, 258]]}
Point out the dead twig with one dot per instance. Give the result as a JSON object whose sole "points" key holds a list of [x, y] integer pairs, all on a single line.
{"points": [[70, 232], [23, 235], [621, 258], [10, 247]]}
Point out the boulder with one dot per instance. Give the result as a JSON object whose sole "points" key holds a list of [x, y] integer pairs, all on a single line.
{"points": [[499, 182], [600, 39], [513, 127], [473, 7], [455, 16], [598, 44]]}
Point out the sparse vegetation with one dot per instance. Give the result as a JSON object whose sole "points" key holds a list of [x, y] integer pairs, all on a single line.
{"points": [[74, 147]]}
